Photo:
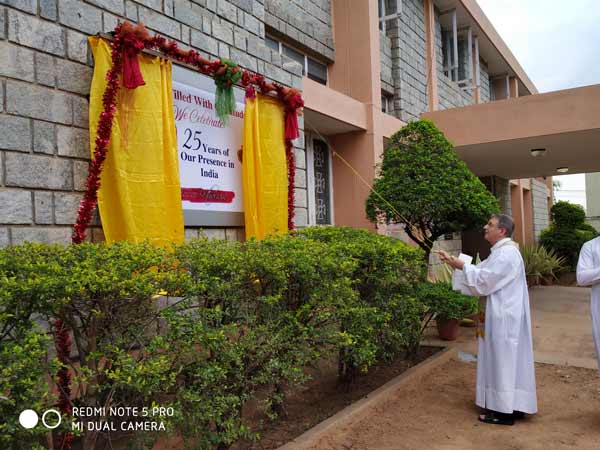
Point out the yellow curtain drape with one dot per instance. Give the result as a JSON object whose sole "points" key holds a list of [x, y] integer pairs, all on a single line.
{"points": [[264, 170], [140, 195]]}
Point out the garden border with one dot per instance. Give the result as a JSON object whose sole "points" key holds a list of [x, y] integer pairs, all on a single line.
{"points": [[355, 411]]}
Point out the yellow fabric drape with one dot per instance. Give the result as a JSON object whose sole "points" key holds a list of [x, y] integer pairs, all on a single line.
{"points": [[264, 168], [140, 195]]}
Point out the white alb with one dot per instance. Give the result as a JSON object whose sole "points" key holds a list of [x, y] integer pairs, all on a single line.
{"points": [[588, 274], [505, 368]]}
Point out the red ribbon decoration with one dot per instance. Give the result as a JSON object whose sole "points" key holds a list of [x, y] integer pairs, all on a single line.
{"points": [[199, 195], [132, 76], [293, 105]]}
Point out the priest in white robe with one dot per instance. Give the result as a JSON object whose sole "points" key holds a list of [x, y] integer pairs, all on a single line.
{"points": [[505, 369], [588, 274]]}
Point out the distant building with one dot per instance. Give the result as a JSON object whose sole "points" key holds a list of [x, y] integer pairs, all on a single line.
{"points": [[592, 195]]}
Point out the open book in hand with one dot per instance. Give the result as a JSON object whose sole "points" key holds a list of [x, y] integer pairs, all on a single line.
{"points": [[459, 282]]}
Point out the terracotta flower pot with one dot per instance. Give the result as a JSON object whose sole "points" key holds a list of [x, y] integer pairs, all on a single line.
{"points": [[448, 328], [532, 280]]}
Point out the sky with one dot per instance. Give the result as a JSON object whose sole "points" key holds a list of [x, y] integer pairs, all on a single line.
{"points": [[557, 42]]}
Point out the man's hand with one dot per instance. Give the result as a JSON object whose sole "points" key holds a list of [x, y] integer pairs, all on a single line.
{"points": [[450, 260]]}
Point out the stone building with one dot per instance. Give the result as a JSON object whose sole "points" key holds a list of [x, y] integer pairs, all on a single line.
{"points": [[365, 69]]}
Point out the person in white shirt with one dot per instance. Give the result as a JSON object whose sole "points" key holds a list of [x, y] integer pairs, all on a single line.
{"points": [[588, 274], [505, 370]]}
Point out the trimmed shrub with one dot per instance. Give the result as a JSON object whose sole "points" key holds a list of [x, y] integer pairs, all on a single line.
{"points": [[385, 320], [567, 215], [24, 369], [280, 298], [567, 232], [27, 295], [427, 187]]}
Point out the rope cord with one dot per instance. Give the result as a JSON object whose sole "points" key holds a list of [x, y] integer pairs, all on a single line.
{"points": [[366, 183]]}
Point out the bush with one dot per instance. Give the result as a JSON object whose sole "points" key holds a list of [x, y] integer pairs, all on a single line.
{"points": [[384, 322], [567, 232], [27, 295], [443, 302], [241, 319], [281, 295], [385, 266], [30, 286], [567, 215], [24, 374]]}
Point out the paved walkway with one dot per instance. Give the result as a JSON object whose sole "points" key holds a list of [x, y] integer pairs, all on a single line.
{"points": [[562, 327]]}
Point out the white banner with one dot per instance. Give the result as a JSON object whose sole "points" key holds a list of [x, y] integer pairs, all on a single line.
{"points": [[209, 153]]}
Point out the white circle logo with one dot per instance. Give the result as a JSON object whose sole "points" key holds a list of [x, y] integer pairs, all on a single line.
{"points": [[28, 418], [44, 419]]}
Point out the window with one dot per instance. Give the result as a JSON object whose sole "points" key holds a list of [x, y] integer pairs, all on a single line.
{"points": [[319, 182], [388, 13], [316, 71], [458, 48], [387, 103], [296, 56], [313, 69], [272, 43]]}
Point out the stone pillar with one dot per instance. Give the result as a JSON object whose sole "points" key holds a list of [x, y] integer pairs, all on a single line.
{"points": [[431, 63]]}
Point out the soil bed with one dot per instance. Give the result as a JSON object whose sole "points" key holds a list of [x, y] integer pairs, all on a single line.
{"points": [[320, 399]]}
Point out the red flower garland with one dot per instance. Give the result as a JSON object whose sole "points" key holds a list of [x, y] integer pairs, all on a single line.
{"points": [[291, 164], [92, 184]]}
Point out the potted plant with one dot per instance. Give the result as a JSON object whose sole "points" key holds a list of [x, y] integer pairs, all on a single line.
{"points": [[541, 265], [447, 306]]}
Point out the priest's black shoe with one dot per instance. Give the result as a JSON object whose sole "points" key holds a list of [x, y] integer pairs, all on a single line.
{"points": [[497, 418]]}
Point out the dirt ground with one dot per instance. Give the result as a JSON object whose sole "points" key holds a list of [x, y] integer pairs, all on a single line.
{"points": [[438, 413], [320, 399]]}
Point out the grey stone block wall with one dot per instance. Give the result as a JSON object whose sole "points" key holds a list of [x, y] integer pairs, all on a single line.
{"points": [[502, 186], [539, 198], [409, 62], [385, 50], [449, 94], [306, 23], [45, 74], [452, 246]]}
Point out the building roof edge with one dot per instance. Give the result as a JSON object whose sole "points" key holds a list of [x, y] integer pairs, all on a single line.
{"points": [[486, 26]]}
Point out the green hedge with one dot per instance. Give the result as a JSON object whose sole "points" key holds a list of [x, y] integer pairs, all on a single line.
{"points": [[385, 320], [241, 318], [567, 232]]}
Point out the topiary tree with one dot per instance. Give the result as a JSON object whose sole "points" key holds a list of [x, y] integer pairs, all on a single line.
{"points": [[566, 214], [427, 188], [567, 232]]}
